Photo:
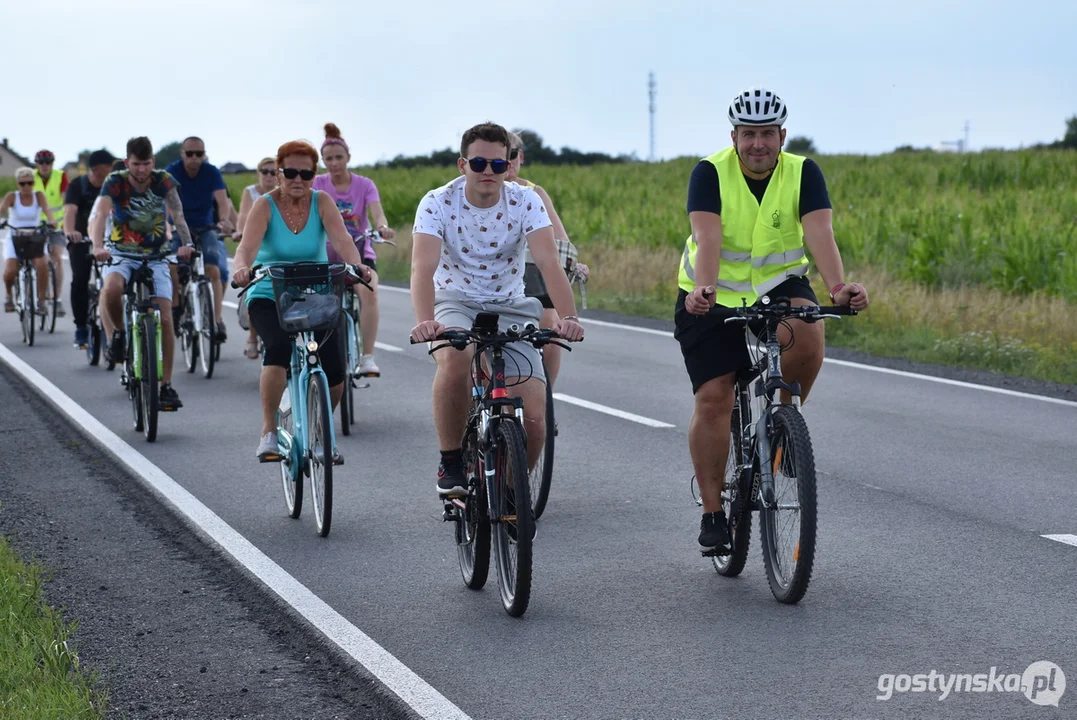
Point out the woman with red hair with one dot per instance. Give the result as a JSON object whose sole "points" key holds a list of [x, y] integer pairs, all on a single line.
{"points": [[356, 198], [285, 226]]}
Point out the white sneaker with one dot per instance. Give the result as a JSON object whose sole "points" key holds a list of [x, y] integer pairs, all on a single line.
{"points": [[367, 367], [268, 449]]}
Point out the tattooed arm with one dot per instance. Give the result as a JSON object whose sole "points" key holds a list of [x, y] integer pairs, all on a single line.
{"points": [[175, 209]]}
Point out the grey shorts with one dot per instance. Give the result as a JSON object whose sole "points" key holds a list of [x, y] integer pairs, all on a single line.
{"points": [[454, 310]]}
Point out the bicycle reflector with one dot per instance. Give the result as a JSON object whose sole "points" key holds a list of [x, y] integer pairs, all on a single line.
{"points": [[312, 346]]}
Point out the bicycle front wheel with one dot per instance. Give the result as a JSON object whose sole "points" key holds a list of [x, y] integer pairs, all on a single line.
{"points": [[207, 331], [320, 451], [514, 526], [29, 307], [473, 525], [541, 475], [291, 462], [93, 324], [149, 383], [788, 529], [48, 320]]}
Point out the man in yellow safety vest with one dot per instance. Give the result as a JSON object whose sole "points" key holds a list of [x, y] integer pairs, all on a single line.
{"points": [[54, 185], [753, 209]]}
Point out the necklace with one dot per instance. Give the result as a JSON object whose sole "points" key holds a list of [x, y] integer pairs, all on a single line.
{"points": [[293, 225]]}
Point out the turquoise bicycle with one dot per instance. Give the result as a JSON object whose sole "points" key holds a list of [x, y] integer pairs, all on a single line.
{"points": [[308, 298]]}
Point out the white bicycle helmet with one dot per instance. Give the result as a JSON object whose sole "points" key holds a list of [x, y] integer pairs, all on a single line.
{"points": [[757, 106]]}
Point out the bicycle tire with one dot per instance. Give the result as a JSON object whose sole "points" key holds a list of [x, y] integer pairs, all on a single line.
{"points": [[737, 493], [347, 407], [49, 318], [541, 476], [29, 307], [185, 332], [320, 451], [789, 435], [93, 340], [473, 527], [134, 386], [151, 405], [207, 333], [513, 579], [291, 466]]}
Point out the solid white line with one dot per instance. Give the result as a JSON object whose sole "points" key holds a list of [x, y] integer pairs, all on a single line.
{"points": [[1065, 539], [387, 347], [400, 679], [229, 304], [611, 411], [846, 363]]}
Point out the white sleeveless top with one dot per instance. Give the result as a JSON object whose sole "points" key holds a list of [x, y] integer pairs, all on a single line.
{"points": [[253, 190], [22, 216]]}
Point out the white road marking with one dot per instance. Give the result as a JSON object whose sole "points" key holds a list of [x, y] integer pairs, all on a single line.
{"points": [[611, 411], [379, 345], [400, 679], [1064, 539]]}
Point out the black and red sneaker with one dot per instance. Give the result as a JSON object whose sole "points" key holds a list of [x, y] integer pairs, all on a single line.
{"points": [[451, 480]]}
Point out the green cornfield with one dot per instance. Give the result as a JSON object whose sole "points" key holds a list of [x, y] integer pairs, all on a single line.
{"points": [[1005, 220]]}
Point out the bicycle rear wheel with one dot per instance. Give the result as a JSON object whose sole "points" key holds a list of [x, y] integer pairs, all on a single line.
{"points": [[788, 529], [28, 315], [347, 406], [320, 451], [188, 338], [48, 320], [291, 463], [736, 502], [514, 527], [93, 326], [541, 475], [207, 330], [473, 526], [149, 389]]}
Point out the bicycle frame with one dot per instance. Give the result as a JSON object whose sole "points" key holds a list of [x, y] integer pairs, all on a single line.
{"points": [[294, 447], [490, 402], [138, 302]]}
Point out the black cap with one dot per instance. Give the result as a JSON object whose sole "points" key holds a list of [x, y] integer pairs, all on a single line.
{"points": [[100, 157]]}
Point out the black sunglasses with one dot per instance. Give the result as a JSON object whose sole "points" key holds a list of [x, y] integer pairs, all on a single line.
{"points": [[194, 153], [26, 182], [267, 171], [499, 166], [292, 173], [514, 153]]}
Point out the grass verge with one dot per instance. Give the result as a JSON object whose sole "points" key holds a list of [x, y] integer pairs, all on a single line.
{"points": [[39, 673]]}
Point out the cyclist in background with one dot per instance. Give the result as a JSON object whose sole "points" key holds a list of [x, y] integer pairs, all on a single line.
{"points": [[138, 200], [753, 209], [267, 181], [79, 201], [54, 185], [24, 208], [356, 197], [533, 283], [201, 186]]}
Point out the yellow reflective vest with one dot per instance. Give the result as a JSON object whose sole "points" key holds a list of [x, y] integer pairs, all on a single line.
{"points": [[762, 242], [53, 193]]}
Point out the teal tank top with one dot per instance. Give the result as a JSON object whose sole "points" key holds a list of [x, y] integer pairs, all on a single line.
{"points": [[281, 246]]}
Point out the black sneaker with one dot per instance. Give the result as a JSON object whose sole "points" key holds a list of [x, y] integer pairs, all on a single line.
{"points": [[222, 333], [117, 349], [168, 399], [451, 481], [714, 534]]}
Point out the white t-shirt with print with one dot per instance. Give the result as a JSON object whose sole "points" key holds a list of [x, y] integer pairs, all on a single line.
{"points": [[482, 249]]}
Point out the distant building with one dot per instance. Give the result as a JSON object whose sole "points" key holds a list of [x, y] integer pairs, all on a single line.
{"points": [[10, 161], [233, 167]]}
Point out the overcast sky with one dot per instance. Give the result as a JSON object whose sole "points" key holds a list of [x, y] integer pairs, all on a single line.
{"points": [[409, 76]]}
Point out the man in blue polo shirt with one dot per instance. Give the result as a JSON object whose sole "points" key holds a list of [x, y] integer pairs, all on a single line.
{"points": [[200, 188]]}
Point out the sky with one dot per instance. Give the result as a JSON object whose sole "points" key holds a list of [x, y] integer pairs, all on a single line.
{"points": [[410, 76]]}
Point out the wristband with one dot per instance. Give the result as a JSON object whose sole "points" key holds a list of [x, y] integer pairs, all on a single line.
{"points": [[571, 317], [836, 289]]}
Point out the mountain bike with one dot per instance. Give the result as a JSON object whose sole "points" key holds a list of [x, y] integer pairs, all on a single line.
{"points": [[30, 244], [353, 346], [495, 463], [53, 295], [196, 329], [771, 466], [144, 358], [308, 299], [97, 340]]}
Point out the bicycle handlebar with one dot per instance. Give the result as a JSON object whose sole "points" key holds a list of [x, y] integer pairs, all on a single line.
{"points": [[260, 272], [42, 227], [460, 339], [781, 311]]}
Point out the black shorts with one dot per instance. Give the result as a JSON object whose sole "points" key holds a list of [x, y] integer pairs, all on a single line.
{"points": [[712, 348], [372, 264], [535, 286], [278, 346]]}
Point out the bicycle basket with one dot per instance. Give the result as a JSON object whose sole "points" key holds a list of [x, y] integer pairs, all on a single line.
{"points": [[308, 297], [28, 246]]}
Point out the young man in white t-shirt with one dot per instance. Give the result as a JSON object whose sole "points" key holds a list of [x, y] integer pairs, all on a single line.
{"points": [[468, 257]]}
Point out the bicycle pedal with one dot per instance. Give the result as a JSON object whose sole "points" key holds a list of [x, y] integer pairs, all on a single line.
{"points": [[716, 552], [269, 458], [170, 408]]}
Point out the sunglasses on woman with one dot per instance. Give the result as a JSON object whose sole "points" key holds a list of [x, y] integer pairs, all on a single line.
{"points": [[499, 166], [293, 173], [268, 171]]}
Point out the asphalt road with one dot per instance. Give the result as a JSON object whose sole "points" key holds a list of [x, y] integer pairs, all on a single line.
{"points": [[933, 500]]}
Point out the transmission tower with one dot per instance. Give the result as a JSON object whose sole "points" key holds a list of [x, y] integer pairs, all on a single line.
{"points": [[651, 92]]}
